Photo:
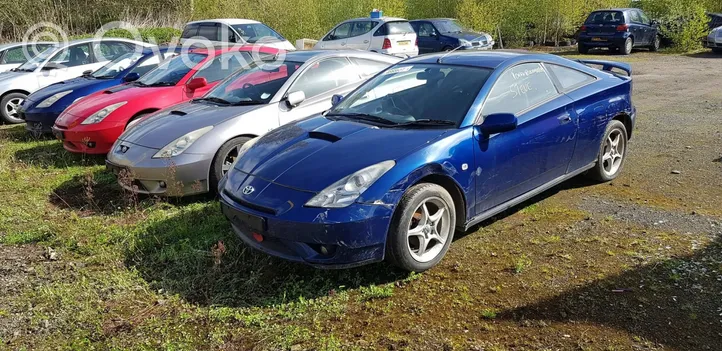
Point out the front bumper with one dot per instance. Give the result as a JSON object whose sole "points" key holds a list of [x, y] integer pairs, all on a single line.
{"points": [[182, 175], [89, 139], [324, 238], [40, 120], [712, 44]]}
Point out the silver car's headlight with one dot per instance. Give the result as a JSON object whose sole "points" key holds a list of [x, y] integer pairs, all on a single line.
{"points": [[53, 99], [178, 146], [345, 191], [104, 112]]}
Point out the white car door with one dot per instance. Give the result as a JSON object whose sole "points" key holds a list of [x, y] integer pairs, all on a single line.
{"points": [[68, 63], [360, 37], [337, 38], [319, 81]]}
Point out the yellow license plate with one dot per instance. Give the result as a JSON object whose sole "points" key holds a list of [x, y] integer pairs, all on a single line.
{"points": [[598, 39], [403, 43]]}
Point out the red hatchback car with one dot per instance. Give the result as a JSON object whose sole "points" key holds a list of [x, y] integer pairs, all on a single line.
{"points": [[92, 124]]}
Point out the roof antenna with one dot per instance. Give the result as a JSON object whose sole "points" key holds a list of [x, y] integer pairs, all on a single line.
{"points": [[457, 48]]}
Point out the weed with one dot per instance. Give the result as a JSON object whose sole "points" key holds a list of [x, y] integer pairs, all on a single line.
{"points": [[373, 292], [488, 313], [521, 264]]}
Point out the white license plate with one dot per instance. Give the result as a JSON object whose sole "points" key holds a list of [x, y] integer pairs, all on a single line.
{"points": [[403, 43]]}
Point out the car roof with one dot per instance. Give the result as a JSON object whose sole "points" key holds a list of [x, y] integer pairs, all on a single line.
{"points": [[488, 59], [90, 40], [382, 19], [306, 55], [434, 19], [228, 21], [13, 45], [221, 50], [620, 9]]}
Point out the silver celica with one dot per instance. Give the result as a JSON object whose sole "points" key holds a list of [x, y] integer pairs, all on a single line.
{"points": [[187, 148]]}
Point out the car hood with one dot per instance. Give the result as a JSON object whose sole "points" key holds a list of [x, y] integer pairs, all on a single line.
{"points": [[112, 95], [314, 153], [75, 84], [159, 129], [7, 77], [470, 36]]}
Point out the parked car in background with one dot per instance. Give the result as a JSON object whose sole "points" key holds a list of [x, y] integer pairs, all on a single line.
{"points": [[203, 137], [93, 124], [235, 30], [42, 108], [446, 34], [15, 54], [714, 40], [385, 35], [620, 30], [431, 144], [57, 63]]}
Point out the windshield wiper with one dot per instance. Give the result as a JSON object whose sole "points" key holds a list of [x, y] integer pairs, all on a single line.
{"points": [[102, 77], [247, 103], [363, 116], [427, 122], [161, 84], [214, 99]]}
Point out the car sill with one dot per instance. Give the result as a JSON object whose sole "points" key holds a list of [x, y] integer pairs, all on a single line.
{"points": [[515, 201]]}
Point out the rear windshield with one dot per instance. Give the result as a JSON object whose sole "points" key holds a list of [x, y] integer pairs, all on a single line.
{"points": [[601, 17], [400, 27]]}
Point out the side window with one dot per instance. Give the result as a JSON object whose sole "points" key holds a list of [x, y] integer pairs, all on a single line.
{"points": [[147, 65], [427, 30], [190, 31], [228, 34], [634, 17], [382, 31], [518, 89], [341, 32], [569, 78], [644, 18], [76, 55], [362, 27], [367, 67], [14, 55], [110, 50], [325, 76], [209, 31], [222, 66]]}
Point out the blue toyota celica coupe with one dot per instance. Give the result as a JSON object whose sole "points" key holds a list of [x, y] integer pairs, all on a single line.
{"points": [[430, 145], [42, 108]]}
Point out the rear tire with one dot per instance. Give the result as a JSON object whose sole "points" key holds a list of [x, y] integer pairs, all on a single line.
{"points": [[223, 160], [447, 49], [10, 108], [627, 48], [612, 153], [583, 49], [655, 44], [717, 50], [422, 228]]}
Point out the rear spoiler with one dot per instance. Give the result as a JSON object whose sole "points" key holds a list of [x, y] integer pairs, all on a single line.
{"points": [[609, 65]]}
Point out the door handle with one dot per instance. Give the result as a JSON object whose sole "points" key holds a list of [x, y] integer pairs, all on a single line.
{"points": [[343, 44], [564, 119], [366, 41]]}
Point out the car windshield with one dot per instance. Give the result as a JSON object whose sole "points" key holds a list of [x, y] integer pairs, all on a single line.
{"points": [[36, 61], [120, 64], [398, 27], [255, 84], [170, 72], [449, 26], [601, 17], [253, 32], [415, 94]]}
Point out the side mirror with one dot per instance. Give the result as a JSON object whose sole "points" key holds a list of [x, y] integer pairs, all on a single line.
{"points": [[498, 123], [196, 83], [295, 98], [87, 73], [51, 66], [131, 77], [336, 99]]}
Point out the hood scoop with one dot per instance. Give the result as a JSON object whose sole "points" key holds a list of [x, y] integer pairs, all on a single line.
{"points": [[177, 113], [323, 136], [116, 89]]}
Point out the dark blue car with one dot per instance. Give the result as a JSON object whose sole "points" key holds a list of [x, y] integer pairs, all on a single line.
{"points": [[42, 108], [618, 30], [446, 34], [431, 144]]}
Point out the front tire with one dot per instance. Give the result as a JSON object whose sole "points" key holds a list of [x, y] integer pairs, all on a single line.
{"points": [[422, 228], [612, 153], [10, 111], [655, 44], [717, 50], [626, 49], [223, 161]]}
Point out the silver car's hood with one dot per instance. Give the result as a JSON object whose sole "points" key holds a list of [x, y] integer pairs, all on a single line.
{"points": [[161, 128], [6, 77]]}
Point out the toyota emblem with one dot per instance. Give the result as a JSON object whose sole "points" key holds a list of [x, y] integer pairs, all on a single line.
{"points": [[248, 190]]}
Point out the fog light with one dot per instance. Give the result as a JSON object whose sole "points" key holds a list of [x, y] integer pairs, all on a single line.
{"points": [[324, 250], [162, 184], [91, 144]]}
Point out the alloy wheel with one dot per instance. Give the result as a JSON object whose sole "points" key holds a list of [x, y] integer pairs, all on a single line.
{"points": [[12, 108], [613, 155], [429, 229], [229, 158]]}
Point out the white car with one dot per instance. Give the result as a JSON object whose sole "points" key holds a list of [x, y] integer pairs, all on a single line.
{"points": [[15, 54], [57, 63], [714, 40], [385, 35], [234, 30]]}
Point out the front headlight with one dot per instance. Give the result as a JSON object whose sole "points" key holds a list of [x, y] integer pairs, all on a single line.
{"points": [[345, 191], [105, 112], [464, 43], [53, 99], [176, 147]]}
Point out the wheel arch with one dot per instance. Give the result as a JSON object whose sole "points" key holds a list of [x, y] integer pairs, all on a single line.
{"points": [[215, 155], [21, 91], [627, 121], [454, 190]]}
